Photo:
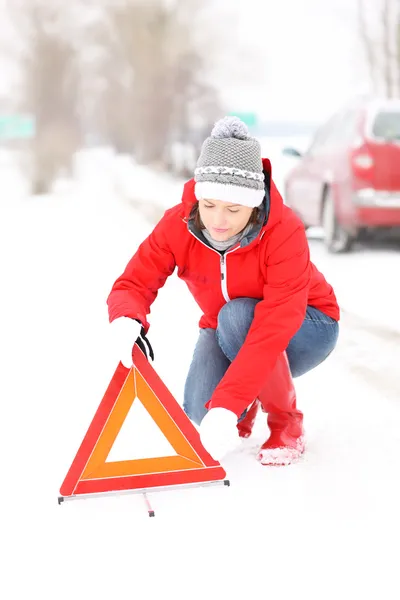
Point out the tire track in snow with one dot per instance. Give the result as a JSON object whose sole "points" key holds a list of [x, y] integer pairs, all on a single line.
{"points": [[371, 352]]}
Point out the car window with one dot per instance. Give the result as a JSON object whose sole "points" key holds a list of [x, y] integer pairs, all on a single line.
{"points": [[346, 128], [321, 137], [387, 125], [340, 130]]}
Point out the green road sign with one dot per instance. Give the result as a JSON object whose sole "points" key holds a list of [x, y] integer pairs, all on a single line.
{"points": [[17, 127], [247, 117]]}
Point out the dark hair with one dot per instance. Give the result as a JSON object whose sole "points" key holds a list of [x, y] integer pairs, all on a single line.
{"points": [[198, 223]]}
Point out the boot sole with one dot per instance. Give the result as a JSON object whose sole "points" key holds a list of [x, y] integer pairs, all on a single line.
{"points": [[281, 456]]}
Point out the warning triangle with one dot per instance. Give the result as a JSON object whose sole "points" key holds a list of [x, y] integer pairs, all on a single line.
{"points": [[139, 437], [93, 472]]}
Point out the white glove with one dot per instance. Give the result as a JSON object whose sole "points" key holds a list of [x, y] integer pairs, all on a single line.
{"points": [[218, 432], [125, 332]]}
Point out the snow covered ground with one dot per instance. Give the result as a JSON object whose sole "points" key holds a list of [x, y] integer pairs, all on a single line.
{"points": [[327, 527]]}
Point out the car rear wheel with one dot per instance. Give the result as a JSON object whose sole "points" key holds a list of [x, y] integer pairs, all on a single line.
{"points": [[337, 239]]}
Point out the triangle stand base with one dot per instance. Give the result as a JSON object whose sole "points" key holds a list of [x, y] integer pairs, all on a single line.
{"points": [[144, 491]]}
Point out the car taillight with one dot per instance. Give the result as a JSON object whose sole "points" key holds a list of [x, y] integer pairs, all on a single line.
{"points": [[363, 160]]}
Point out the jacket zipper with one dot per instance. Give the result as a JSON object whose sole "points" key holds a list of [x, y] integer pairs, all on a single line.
{"points": [[224, 276], [222, 260]]}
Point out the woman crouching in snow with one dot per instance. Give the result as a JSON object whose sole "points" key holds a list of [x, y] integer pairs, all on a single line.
{"points": [[269, 314]]}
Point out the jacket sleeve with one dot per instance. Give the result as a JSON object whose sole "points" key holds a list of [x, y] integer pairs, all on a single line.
{"points": [[277, 318], [136, 289]]}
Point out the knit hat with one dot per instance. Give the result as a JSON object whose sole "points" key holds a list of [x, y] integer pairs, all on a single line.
{"points": [[230, 167]]}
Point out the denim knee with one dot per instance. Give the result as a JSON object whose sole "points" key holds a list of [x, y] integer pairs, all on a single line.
{"points": [[234, 321], [195, 411], [313, 342]]}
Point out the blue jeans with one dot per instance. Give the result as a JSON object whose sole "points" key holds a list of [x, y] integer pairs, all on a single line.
{"points": [[215, 349]]}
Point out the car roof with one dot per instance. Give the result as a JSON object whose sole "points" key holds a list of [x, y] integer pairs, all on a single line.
{"points": [[383, 104], [370, 104]]}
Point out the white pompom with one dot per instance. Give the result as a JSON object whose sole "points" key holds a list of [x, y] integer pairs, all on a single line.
{"points": [[230, 127]]}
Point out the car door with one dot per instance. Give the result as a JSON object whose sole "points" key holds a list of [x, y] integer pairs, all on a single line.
{"points": [[337, 162], [307, 180]]}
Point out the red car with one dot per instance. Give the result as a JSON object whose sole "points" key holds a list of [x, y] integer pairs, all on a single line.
{"points": [[348, 181]]}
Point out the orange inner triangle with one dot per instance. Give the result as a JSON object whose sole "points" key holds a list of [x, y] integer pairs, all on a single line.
{"points": [[136, 387]]}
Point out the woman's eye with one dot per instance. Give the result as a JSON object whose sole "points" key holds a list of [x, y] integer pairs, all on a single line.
{"points": [[233, 211], [208, 206]]}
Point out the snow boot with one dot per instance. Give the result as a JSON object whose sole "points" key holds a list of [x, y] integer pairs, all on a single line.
{"points": [[245, 426], [278, 398]]}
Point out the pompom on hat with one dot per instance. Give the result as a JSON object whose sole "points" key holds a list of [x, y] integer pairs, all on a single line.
{"points": [[230, 167]]}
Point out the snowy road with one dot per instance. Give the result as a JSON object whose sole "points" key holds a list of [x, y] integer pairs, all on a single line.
{"points": [[325, 528], [366, 286]]}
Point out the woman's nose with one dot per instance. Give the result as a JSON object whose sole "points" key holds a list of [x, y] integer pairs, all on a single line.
{"points": [[220, 219]]}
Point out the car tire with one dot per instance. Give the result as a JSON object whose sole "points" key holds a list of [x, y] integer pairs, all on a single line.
{"points": [[337, 239]]}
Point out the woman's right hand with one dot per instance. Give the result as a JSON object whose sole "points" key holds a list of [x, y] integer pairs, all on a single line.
{"points": [[218, 432], [125, 331]]}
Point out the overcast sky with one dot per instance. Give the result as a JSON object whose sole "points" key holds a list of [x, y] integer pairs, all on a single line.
{"points": [[312, 57], [298, 59]]}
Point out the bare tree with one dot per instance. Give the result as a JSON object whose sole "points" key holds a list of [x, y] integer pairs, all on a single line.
{"points": [[49, 86], [156, 75], [369, 45], [389, 64], [397, 44], [379, 30]]}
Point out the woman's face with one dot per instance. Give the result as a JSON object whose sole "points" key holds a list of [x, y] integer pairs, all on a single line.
{"points": [[223, 219]]}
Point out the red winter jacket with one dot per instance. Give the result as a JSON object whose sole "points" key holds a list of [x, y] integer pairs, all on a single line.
{"points": [[275, 268]]}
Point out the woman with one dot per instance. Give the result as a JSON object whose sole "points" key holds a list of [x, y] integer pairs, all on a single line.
{"points": [[269, 314]]}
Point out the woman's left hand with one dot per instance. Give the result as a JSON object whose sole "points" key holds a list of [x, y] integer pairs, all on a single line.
{"points": [[218, 432]]}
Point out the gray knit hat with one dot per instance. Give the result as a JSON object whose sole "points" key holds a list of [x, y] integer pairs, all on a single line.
{"points": [[230, 167]]}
